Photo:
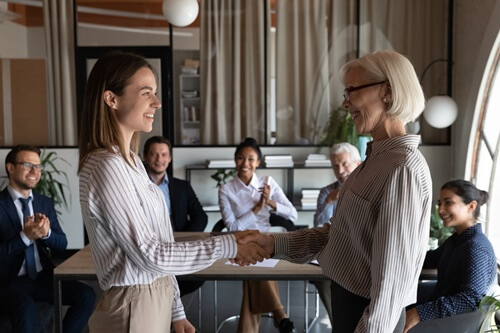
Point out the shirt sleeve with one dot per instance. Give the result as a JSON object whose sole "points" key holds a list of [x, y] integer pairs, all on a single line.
{"points": [[300, 246], [114, 200], [324, 210], [474, 275], [284, 207], [177, 306], [232, 222], [397, 250]]}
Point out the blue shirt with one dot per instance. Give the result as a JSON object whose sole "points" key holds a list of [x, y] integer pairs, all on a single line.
{"points": [[324, 210], [164, 189], [466, 271]]}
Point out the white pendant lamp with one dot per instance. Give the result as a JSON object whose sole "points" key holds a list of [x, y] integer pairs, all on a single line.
{"points": [[440, 111], [180, 13]]}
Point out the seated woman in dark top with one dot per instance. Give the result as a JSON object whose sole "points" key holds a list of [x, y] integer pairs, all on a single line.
{"points": [[466, 262]]}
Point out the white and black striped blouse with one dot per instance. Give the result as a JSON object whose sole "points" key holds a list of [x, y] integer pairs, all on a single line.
{"points": [[129, 228], [377, 241]]}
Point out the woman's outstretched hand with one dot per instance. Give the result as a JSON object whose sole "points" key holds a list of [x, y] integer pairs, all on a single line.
{"points": [[249, 252]]}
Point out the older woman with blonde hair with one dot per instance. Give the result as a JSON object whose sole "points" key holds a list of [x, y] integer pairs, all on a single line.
{"points": [[374, 249]]}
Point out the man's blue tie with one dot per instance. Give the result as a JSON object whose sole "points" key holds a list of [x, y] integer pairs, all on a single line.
{"points": [[30, 251]]}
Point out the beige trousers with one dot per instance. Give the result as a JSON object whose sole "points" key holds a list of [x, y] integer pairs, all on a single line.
{"points": [[137, 308], [258, 297]]}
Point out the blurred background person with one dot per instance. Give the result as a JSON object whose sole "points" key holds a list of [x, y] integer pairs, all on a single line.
{"points": [[245, 203]]}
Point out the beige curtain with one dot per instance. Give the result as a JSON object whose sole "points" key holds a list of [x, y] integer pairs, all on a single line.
{"points": [[232, 70], [313, 40], [417, 29], [59, 29]]}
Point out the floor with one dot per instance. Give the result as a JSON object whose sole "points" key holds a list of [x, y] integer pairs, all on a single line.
{"points": [[229, 301]]}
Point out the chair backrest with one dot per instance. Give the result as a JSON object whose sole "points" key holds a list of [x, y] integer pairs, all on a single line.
{"points": [[278, 221], [274, 220], [219, 226]]}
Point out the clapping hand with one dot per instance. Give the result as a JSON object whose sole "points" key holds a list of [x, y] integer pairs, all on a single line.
{"points": [[249, 252], [36, 226]]}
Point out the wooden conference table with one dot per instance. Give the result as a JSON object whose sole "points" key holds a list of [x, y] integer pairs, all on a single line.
{"points": [[81, 267]]}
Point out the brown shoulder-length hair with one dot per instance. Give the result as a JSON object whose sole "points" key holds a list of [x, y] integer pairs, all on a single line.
{"points": [[99, 126]]}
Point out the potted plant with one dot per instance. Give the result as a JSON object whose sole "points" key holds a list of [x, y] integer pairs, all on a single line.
{"points": [[50, 184], [222, 176], [340, 128], [490, 305], [438, 230]]}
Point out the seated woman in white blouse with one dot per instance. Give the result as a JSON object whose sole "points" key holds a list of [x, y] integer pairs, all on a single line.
{"points": [[245, 203]]}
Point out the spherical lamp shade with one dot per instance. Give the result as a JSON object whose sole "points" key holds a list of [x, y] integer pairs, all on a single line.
{"points": [[440, 111], [180, 13]]}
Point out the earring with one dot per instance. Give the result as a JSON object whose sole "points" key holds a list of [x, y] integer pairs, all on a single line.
{"points": [[384, 100]]}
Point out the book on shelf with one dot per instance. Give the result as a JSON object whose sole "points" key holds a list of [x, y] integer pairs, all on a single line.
{"points": [[317, 163], [317, 160], [310, 193], [309, 198], [278, 160], [316, 157], [220, 164]]}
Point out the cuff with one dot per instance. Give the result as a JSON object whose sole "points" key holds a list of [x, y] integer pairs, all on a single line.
{"points": [[25, 239], [228, 246], [280, 244]]}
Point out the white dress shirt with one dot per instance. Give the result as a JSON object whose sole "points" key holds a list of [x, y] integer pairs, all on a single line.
{"points": [[129, 228], [236, 201]]}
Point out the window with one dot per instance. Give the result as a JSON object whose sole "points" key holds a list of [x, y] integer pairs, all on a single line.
{"points": [[485, 165]]}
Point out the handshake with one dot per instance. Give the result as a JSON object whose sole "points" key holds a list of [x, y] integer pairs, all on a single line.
{"points": [[252, 247]]}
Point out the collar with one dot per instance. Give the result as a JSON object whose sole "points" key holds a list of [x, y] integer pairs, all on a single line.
{"points": [[467, 234], [16, 195], [239, 185], [377, 147], [163, 182]]}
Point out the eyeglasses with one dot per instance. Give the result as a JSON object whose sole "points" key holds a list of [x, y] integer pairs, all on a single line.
{"points": [[29, 166], [348, 91]]}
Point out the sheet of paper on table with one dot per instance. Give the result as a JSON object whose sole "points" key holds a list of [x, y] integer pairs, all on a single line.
{"points": [[270, 263]]}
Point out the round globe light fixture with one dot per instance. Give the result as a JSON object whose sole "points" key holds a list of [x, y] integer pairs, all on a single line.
{"points": [[180, 13], [440, 111]]}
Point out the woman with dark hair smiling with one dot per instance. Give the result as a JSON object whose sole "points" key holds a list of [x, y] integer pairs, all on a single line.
{"points": [[466, 262], [245, 203]]}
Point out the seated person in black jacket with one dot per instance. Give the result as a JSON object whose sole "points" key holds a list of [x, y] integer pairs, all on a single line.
{"points": [[186, 212], [28, 230]]}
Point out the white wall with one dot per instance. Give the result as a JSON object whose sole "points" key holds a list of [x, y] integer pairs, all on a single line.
{"points": [[438, 158], [477, 25]]}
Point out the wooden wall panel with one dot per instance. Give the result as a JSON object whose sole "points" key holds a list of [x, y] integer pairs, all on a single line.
{"points": [[29, 102]]}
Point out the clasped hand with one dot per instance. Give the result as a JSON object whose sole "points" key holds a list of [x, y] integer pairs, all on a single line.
{"points": [[253, 247], [36, 226]]}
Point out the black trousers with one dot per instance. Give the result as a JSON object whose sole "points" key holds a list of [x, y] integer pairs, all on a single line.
{"points": [[19, 297], [348, 309]]}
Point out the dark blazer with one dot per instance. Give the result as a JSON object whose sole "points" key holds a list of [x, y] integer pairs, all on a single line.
{"points": [[184, 204], [11, 244]]}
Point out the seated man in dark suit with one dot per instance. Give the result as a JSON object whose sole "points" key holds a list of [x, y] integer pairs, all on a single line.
{"points": [[186, 212], [28, 228]]}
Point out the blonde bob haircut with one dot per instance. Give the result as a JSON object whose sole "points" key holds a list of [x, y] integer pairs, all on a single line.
{"points": [[99, 127], [407, 99]]}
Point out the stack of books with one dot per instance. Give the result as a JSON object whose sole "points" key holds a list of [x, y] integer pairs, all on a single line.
{"points": [[317, 160], [278, 161], [309, 198], [221, 164]]}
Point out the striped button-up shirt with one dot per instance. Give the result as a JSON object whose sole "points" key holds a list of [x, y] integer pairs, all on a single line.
{"points": [[129, 228], [377, 241]]}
